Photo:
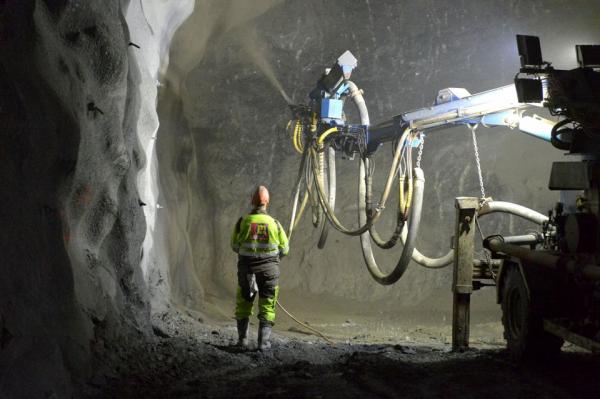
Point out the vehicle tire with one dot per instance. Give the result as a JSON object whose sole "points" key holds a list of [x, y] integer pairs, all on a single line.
{"points": [[523, 328]]}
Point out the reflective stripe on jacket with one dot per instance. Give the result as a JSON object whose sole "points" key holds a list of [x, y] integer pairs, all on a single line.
{"points": [[259, 235]]}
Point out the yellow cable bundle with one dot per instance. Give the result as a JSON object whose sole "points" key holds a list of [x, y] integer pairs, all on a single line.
{"points": [[408, 198], [401, 203], [297, 136]]}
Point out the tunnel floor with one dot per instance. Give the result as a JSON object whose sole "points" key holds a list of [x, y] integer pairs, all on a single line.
{"points": [[190, 359]]}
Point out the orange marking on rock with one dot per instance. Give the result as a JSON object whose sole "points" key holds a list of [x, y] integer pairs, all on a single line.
{"points": [[84, 196]]}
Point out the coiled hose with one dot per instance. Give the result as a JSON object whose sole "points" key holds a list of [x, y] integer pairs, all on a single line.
{"points": [[403, 207], [486, 209], [375, 214], [331, 180], [301, 173], [413, 230]]}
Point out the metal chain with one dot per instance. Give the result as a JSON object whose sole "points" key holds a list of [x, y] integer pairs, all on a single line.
{"points": [[488, 258], [420, 153], [472, 128]]}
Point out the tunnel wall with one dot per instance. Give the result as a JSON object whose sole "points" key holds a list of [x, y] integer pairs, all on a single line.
{"points": [[77, 109], [233, 134]]}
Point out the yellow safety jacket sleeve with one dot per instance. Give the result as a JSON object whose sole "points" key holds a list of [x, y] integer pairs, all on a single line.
{"points": [[235, 245], [284, 245]]}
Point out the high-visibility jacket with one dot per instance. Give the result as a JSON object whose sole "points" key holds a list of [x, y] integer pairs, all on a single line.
{"points": [[258, 235]]}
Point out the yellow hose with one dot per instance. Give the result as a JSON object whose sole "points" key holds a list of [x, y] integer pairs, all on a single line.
{"points": [[408, 198], [293, 134], [300, 129], [326, 133], [297, 137], [401, 181], [313, 125]]}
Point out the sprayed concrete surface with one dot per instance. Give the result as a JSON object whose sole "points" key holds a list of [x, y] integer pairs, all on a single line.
{"points": [[223, 118], [222, 113]]}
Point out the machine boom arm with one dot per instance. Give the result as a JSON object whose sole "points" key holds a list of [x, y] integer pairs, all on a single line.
{"points": [[496, 107]]}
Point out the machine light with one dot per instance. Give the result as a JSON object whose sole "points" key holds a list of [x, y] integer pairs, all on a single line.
{"points": [[340, 71], [588, 56], [529, 90], [530, 52]]}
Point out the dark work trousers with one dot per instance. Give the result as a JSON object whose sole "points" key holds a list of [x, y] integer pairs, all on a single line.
{"points": [[266, 272]]}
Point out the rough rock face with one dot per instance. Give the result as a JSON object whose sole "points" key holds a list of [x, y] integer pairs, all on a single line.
{"points": [[233, 136], [78, 120]]}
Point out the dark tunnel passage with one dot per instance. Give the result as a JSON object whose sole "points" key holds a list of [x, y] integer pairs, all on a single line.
{"points": [[133, 133]]}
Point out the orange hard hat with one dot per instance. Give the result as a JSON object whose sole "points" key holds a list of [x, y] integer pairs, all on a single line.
{"points": [[260, 196]]}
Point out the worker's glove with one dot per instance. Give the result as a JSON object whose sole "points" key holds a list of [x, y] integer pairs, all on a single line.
{"points": [[252, 284]]}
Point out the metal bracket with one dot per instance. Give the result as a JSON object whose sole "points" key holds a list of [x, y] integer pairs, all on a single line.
{"points": [[462, 283]]}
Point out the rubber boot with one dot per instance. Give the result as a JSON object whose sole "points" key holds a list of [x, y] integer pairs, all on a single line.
{"points": [[243, 327], [264, 333]]}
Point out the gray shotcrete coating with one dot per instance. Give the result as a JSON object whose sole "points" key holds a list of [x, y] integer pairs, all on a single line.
{"points": [[116, 267]]}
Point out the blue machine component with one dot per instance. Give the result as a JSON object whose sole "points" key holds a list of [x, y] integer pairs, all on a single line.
{"points": [[496, 107], [331, 109], [414, 143], [451, 94], [341, 90], [452, 106]]}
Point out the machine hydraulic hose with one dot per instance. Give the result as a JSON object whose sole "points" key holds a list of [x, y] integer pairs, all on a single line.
{"points": [[514, 209], [320, 131], [541, 258], [331, 180], [409, 245], [403, 204], [320, 187]]}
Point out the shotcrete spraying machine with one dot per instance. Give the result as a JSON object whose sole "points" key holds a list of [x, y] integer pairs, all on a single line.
{"points": [[548, 280]]}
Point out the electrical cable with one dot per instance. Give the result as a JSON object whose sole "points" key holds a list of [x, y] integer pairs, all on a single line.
{"points": [[409, 245], [404, 205], [372, 218], [298, 184], [331, 183]]}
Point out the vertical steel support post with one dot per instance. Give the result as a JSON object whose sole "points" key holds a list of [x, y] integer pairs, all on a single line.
{"points": [[462, 284]]}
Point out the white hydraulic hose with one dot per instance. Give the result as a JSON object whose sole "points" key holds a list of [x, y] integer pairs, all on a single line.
{"points": [[513, 209], [293, 220], [359, 101], [413, 231], [322, 197], [425, 261], [488, 208]]}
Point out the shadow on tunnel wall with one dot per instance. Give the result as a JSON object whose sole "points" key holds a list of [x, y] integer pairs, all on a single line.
{"points": [[223, 131]]}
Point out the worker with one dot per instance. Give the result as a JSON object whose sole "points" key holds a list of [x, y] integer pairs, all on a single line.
{"points": [[260, 241]]}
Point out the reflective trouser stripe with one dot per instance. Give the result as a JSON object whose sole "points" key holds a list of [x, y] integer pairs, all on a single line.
{"points": [[266, 307], [246, 252], [243, 308], [258, 245]]}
